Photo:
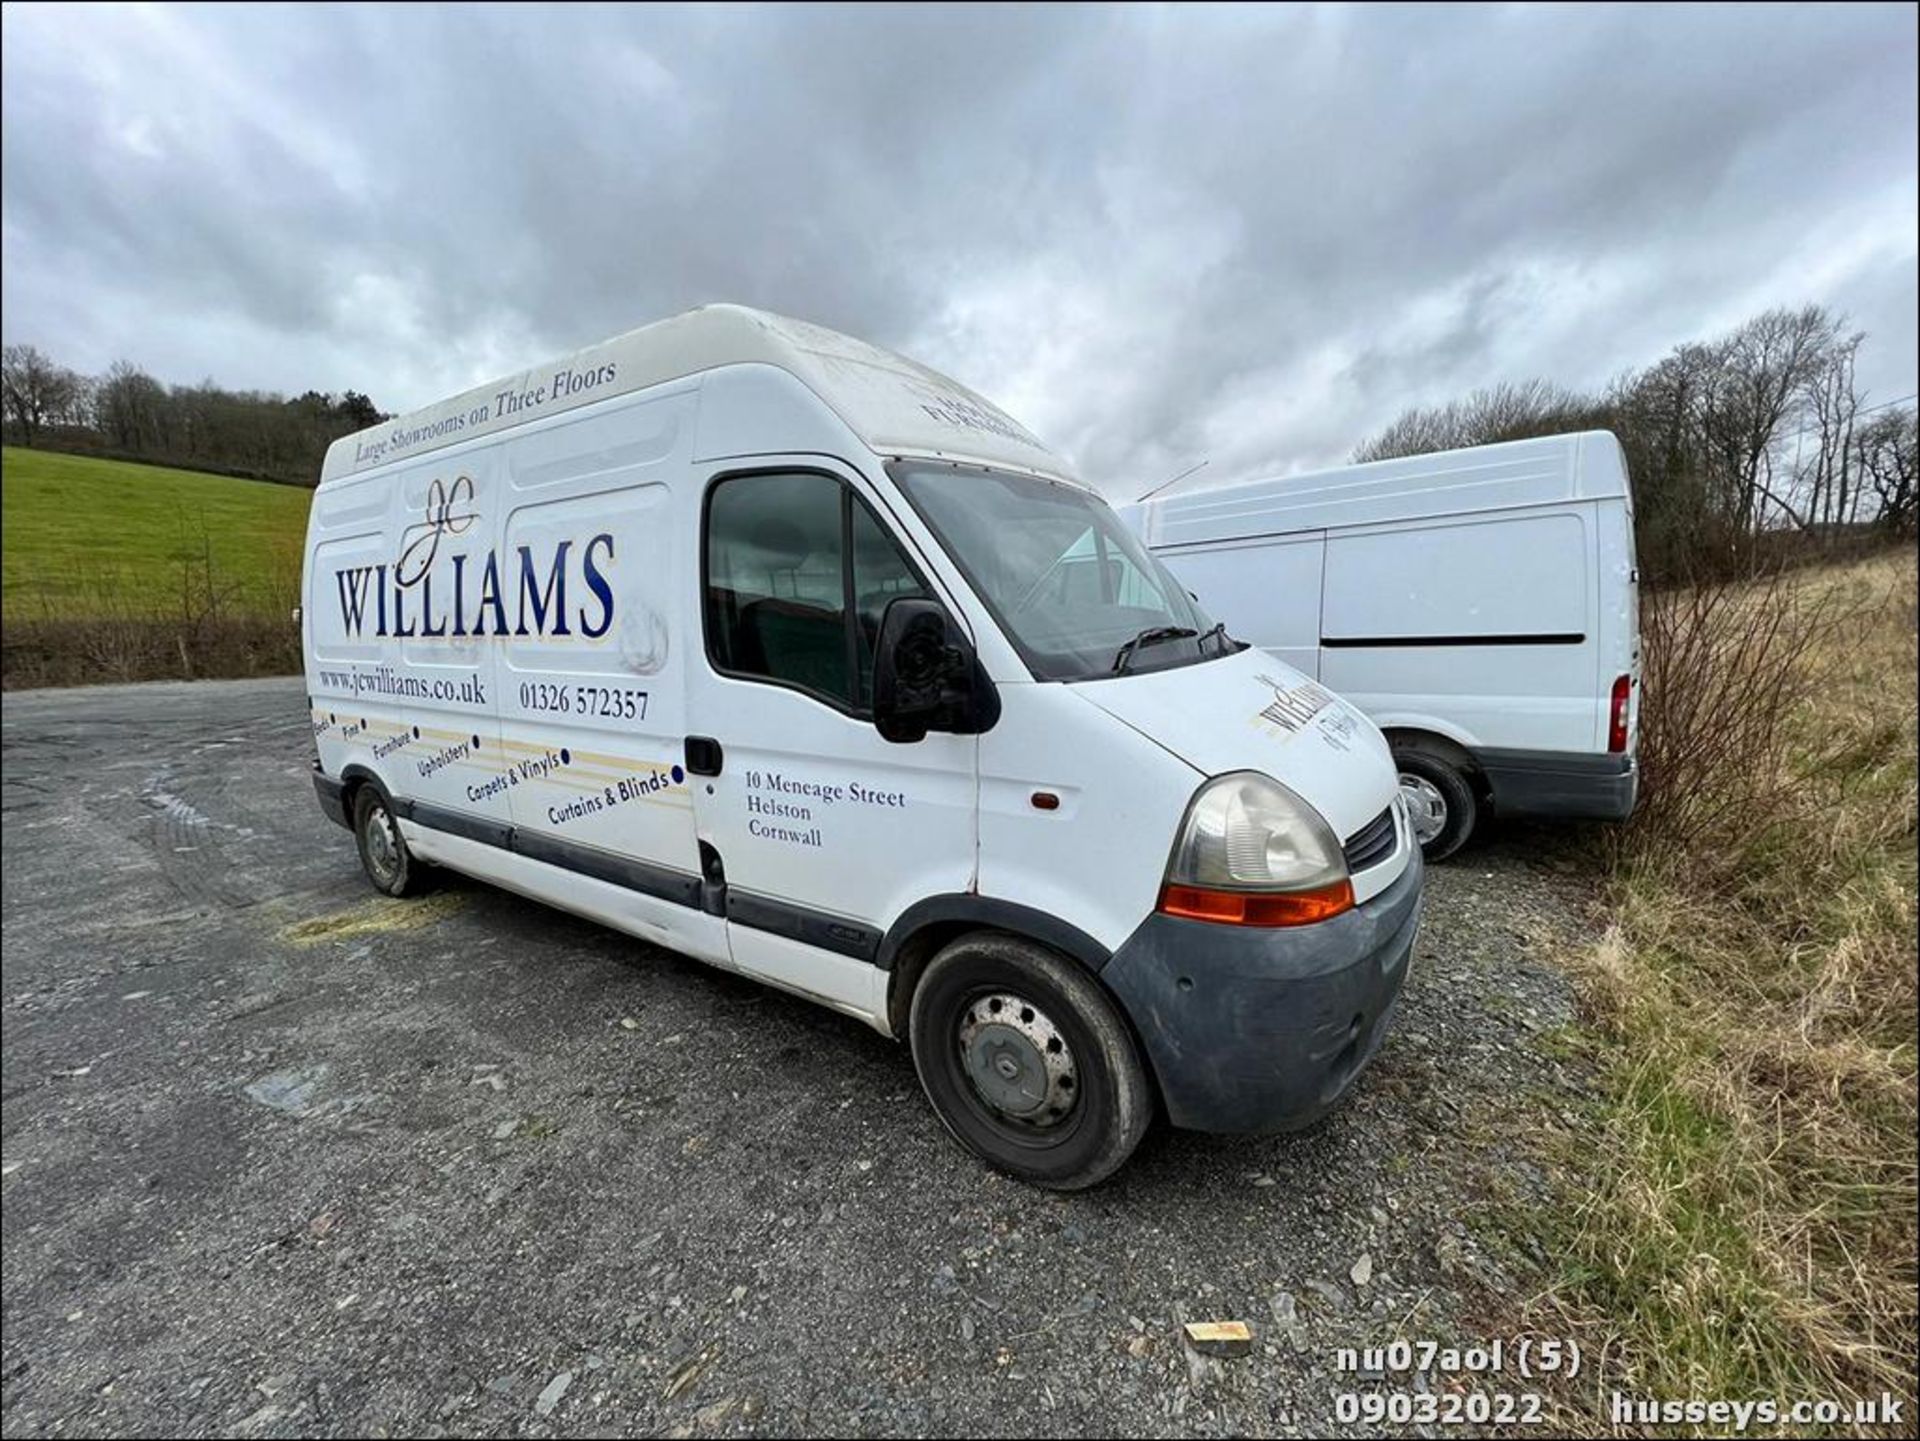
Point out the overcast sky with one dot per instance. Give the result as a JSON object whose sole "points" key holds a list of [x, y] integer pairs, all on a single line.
{"points": [[1155, 235]]}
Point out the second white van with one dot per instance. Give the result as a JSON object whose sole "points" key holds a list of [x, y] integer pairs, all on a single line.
{"points": [[755, 641], [1481, 605]]}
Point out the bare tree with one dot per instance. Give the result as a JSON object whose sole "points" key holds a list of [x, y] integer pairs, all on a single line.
{"points": [[1886, 450], [76, 410], [1683, 519], [132, 410], [1502, 412], [1716, 435], [1762, 372], [129, 413], [1832, 406], [33, 388]]}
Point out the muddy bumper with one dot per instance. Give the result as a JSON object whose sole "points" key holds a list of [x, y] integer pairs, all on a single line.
{"points": [[1263, 1029]]}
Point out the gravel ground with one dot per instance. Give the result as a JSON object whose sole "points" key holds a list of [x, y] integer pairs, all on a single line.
{"points": [[282, 1157]]}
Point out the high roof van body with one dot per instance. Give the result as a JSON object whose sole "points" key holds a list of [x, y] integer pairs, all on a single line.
{"points": [[754, 641]]}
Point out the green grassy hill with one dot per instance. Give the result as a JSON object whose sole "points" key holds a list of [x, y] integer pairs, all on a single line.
{"points": [[84, 537]]}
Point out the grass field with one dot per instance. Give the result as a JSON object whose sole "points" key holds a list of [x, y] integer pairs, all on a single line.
{"points": [[1738, 1215], [84, 537]]}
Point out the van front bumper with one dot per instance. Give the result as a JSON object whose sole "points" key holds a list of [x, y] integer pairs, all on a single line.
{"points": [[332, 795], [1253, 1029]]}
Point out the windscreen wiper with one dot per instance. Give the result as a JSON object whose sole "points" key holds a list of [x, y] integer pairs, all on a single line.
{"points": [[1152, 635]]}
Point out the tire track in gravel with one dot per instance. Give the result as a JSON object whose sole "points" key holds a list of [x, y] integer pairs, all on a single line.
{"points": [[189, 846]]}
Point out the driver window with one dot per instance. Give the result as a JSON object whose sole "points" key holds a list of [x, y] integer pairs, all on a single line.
{"points": [[799, 574], [776, 594]]}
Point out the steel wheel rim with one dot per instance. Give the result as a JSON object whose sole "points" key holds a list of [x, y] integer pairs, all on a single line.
{"points": [[1017, 1062], [1426, 806], [383, 844]]}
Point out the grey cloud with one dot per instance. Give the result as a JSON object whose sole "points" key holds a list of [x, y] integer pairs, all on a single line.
{"points": [[1158, 234]]}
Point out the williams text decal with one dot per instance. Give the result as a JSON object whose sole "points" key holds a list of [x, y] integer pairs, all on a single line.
{"points": [[434, 587], [1292, 707]]}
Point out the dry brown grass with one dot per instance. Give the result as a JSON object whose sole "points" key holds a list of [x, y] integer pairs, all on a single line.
{"points": [[1743, 1223]]}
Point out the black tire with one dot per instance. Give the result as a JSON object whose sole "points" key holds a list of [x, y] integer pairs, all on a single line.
{"points": [[1438, 785], [390, 866], [994, 1004]]}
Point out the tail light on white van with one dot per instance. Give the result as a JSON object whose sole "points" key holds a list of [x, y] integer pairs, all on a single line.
{"points": [[1252, 853], [1618, 713]]}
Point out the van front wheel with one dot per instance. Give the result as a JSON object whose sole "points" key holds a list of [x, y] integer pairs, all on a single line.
{"points": [[1440, 802], [383, 850], [1027, 1062]]}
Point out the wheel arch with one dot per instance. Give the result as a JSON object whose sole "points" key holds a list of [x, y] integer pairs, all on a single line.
{"points": [[1446, 747], [929, 925], [353, 777]]}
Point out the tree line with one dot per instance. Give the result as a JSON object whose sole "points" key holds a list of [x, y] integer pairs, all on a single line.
{"points": [[129, 415], [1735, 445], [1732, 443]]}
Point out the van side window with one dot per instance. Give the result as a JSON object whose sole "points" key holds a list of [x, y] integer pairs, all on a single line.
{"points": [[799, 573]]}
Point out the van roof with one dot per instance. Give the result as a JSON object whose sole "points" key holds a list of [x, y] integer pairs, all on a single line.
{"points": [[1585, 465], [894, 405]]}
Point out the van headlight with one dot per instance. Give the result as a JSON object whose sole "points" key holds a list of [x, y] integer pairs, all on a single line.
{"points": [[1252, 853]]}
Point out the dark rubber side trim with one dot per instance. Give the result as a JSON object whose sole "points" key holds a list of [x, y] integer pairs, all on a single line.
{"points": [[987, 912], [333, 797], [1570, 785], [1357, 642], [662, 882], [455, 823], [682, 888], [798, 923]]}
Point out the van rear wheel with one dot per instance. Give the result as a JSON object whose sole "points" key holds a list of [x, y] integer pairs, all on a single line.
{"points": [[1027, 1062], [1440, 801], [383, 850]]}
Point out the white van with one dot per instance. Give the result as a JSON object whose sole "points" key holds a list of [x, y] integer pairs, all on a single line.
{"points": [[742, 637], [1481, 605]]}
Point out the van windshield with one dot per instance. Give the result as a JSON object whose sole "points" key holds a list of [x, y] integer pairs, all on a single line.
{"points": [[1070, 585]]}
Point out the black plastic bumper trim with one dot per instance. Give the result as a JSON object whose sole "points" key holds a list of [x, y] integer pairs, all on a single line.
{"points": [[1254, 1030], [1570, 785], [333, 797]]}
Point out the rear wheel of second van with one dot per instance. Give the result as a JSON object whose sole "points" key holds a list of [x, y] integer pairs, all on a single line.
{"points": [[1028, 1062]]}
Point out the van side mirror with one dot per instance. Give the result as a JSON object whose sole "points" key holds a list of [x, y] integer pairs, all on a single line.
{"points": [[926, 676]]}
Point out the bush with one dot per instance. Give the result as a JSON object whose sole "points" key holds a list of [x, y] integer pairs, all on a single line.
{"points": [[112, 649], [1738, 1215], [1723, 664]]}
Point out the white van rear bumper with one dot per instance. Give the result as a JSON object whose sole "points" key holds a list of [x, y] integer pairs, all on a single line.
{"points": [[1568, 785]]}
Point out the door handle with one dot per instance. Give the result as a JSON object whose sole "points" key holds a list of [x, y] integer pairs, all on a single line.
{"points": [[704, 756]]}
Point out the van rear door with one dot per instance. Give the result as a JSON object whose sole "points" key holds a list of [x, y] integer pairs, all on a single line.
{"points": [[1618, 578], [403, 688]]}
